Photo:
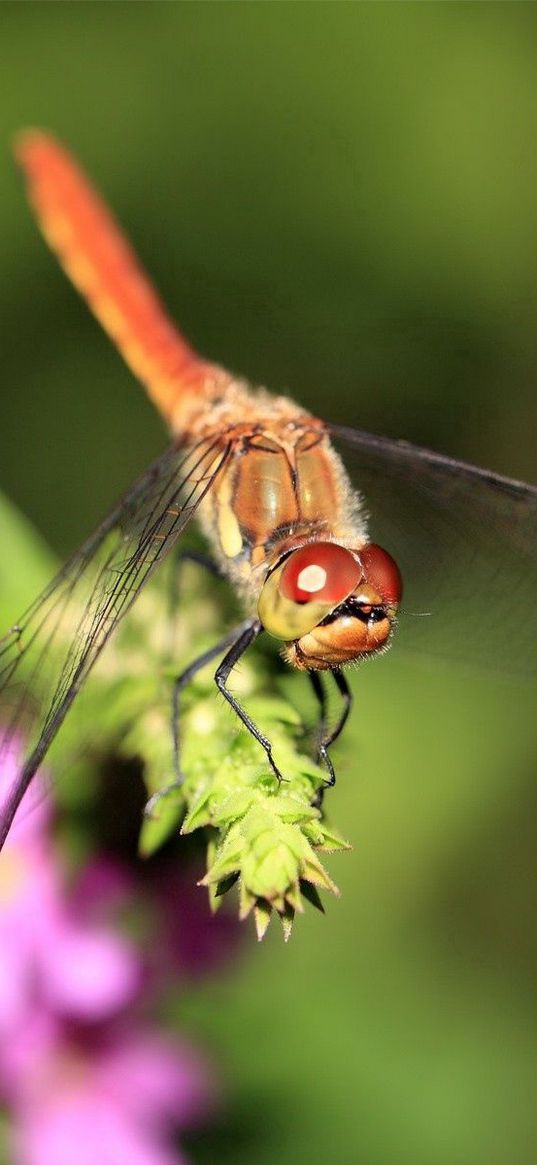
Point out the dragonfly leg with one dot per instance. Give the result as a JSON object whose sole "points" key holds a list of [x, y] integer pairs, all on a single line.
{"points": [[181, 681], [201, 559], [327, 738], [247, 635], [179, 558]]}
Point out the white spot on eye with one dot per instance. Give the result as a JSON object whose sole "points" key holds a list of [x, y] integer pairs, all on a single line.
{"points": [[312, 579]]}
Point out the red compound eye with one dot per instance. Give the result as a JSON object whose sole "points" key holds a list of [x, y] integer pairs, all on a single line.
{"points": [[321, 572], [382, 572]]}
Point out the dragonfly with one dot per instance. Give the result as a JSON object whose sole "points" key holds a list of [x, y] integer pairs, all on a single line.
{"points": [[285, 502]]}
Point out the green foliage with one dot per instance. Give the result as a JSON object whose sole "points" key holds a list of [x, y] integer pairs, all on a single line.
{"points": [[342, 207], [26, 563], [262, 834]]}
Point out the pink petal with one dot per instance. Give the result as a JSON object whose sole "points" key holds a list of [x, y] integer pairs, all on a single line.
{"points": [[28, 1059], [86, 1129], [157, 1078], [90, 974], [15, 988], [33, 815]]}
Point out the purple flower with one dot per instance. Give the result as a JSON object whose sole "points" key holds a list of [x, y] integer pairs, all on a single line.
{"points": [[190, 939], [50, 955], [109, 1095], [81, 1084]]}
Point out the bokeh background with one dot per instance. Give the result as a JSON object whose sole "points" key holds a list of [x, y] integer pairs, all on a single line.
{"points": [[338, 200]]}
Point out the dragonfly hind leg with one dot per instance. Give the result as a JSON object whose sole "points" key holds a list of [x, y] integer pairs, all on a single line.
{"points": [[328, 738], [189, 555], [181, 681]]}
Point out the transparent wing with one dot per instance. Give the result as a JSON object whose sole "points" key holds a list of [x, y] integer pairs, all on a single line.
{"points": [[466, 543], [47, 655]]}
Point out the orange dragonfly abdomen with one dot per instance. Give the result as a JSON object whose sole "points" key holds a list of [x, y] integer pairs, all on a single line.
{"points": [[291, 486], [100, 262]]}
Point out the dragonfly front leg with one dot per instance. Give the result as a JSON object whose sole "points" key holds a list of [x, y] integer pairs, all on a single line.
{"points": [[181, 681], [249, 633]]}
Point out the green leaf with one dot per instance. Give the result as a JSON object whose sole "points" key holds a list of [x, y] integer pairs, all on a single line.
{"points": [[26, 568], [158, 827]]}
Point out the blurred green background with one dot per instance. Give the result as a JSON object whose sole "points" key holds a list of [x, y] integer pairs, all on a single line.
{"points": [[339, 200]]}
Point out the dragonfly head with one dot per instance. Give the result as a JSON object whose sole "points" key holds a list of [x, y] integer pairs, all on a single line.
{"points": [[330, 604]]}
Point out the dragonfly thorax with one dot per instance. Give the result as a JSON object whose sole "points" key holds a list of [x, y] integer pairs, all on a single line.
{"points": [[282, 484]]}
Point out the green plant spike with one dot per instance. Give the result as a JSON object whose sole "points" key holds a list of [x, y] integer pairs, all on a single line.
{"points": [[265, 836]]}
